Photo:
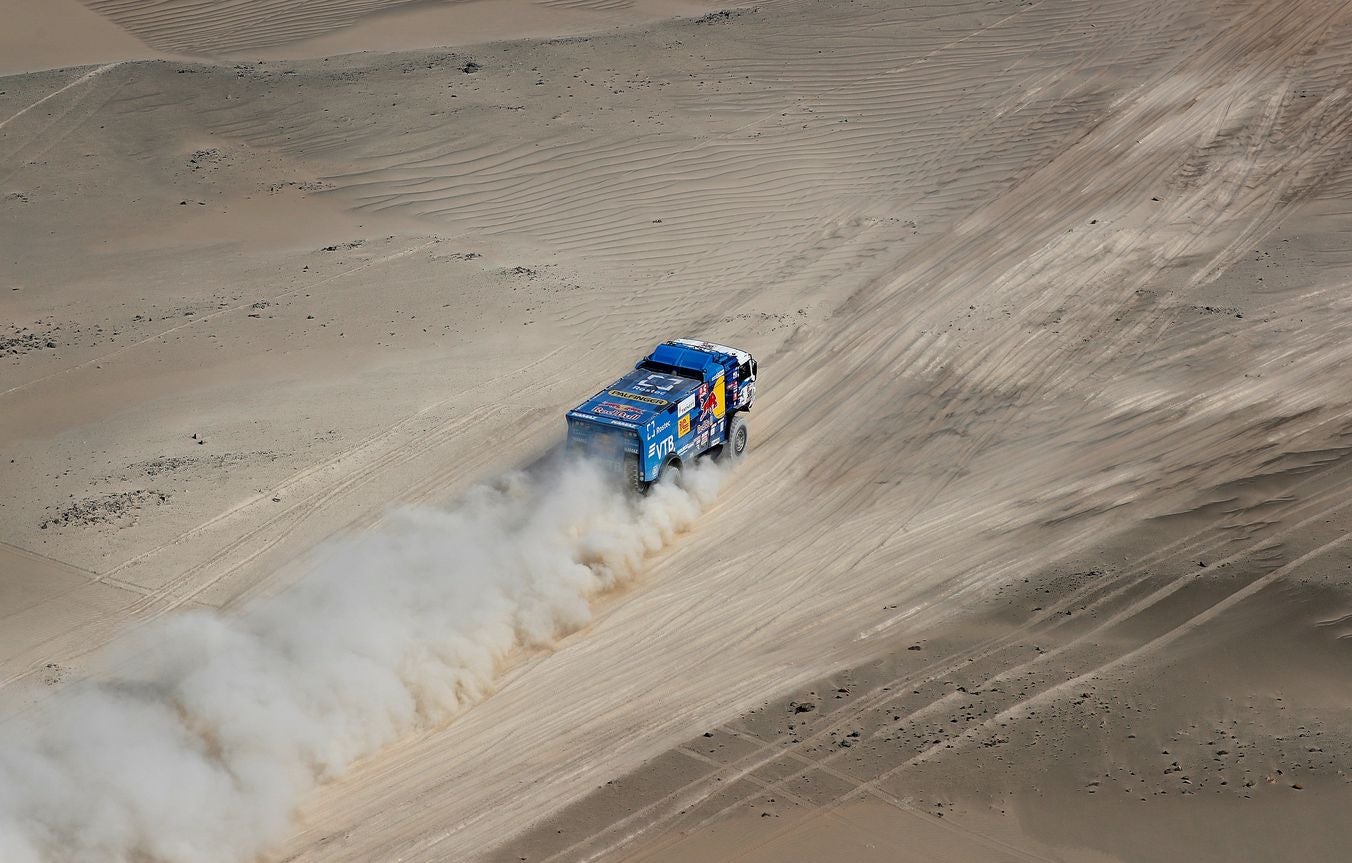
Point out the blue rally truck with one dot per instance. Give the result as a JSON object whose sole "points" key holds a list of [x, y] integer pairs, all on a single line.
{"points": [[685, 399]]}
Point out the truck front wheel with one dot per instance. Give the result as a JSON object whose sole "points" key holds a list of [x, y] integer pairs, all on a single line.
{"points": [[735, 445]]}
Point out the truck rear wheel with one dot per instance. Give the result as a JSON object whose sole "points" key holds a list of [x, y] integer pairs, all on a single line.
{"points": [[735, 445], [633, 475], [669, 472]]}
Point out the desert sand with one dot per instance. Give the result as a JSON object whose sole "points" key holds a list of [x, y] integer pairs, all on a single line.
{"points": [[1040, 549]]}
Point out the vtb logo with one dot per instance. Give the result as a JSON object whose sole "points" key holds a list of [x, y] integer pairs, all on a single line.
{"points": [[662, 448]]}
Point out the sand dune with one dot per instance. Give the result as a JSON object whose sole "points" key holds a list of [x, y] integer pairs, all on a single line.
{"points": [[321, 27], [193, 27], [61, 33], [1045, 497]]}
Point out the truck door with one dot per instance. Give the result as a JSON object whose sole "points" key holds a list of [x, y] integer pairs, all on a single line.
{"points": [[713, 405]]}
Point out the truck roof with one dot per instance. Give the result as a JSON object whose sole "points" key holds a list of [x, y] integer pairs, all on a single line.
{"points": [[710, 348], [635, 398], [682, 358]]}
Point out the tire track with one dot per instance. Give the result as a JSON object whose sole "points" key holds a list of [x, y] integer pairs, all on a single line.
{"points": [[87, 76], [888, 695], [87, 102]]}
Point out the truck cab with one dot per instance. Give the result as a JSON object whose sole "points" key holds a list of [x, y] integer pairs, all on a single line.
{"points": [[684, 400]]}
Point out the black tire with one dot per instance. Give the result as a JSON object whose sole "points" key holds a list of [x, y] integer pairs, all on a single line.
{"points": [[670, 472], [735, 446], [633, 475]]}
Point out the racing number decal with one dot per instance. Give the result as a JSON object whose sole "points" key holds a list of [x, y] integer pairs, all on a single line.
{"points": [[683, 427]]}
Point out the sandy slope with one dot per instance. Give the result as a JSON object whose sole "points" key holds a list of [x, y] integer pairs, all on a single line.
{"points": [[315, 28], [1049, 299], [61, 33]]}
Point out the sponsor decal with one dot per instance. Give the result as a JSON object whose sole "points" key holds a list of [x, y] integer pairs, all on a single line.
{"points": [[618, 411], [687, 404], [748, 392], [702, 442], [683, 427], [662, 448], [648, 400], [655, 428], [658, 384], [712, 398]]}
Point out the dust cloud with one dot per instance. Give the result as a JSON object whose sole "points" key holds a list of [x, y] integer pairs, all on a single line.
{"points": [[199, 746]]}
